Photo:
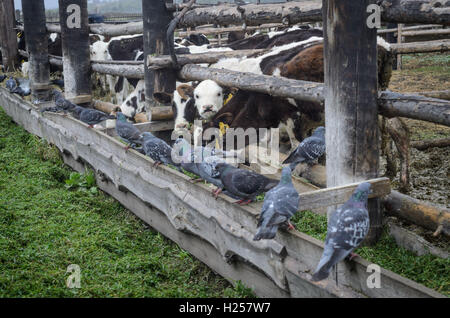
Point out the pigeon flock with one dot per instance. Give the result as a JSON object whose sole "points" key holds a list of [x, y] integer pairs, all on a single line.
{"points": [[347, 226]]}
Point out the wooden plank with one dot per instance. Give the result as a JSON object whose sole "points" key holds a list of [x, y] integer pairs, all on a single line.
{"points": [[159, 62], [427, 32], [340, 194], [272, 85], [399, 42], [421, 47], [415, 27]]}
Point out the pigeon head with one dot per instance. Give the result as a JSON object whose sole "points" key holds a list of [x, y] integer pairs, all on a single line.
{"points": [[121, 116], [362, 192], [319, 131], [286, 175]]}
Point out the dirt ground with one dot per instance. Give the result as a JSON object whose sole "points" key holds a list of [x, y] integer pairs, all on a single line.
{"points": [[429, 169]]}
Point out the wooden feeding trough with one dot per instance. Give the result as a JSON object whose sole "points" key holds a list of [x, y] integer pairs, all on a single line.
{"points": [[217, 232]]}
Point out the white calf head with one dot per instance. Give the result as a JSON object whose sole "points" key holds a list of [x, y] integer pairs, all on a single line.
{"points": [[99, 51], [208, 98]]}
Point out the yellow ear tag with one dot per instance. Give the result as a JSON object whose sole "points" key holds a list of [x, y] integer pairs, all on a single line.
{"points": [[222, 130], [230, 96]]}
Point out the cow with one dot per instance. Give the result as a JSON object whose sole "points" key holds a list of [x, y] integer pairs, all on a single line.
{"points": [[192, 102], [302, 60]]}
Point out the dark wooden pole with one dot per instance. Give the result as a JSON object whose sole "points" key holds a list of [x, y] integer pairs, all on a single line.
{"points": [[156, 20], [37, 43], [351, 114], [73, 16], [8, 35]]}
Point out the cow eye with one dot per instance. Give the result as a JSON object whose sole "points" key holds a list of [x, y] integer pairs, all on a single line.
{"points": [[218, 94], [196, 96]]}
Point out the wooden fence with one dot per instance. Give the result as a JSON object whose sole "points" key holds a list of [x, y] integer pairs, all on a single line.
{"points": [[169, 202]]}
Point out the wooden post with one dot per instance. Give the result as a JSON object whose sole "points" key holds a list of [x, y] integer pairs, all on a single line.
{"points": [[351, 114], [73, 17], [37, 43], [390, 38], [8, 35], [156, 19], [399, 41]]}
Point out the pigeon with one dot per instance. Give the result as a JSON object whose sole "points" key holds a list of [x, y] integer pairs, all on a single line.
{"points": [[58, 82], [62, 105], [157, 149], [309, 149], [23, 89], [89, 116], [11, 84], [347, 228], [280, 204], [185, 156], [2, 78], [127, 131], [244, 184]]}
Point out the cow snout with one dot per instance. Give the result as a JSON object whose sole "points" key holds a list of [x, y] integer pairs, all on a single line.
{"points": [[208, 108]]}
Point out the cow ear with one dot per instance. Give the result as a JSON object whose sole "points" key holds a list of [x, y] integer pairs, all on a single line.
{"points": [[163, 97], [185, 91]]}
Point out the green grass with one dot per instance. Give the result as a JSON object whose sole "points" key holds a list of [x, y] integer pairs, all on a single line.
{"points": [[429, 270], [45, 227]]}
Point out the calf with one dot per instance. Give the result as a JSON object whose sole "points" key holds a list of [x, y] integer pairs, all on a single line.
{"points": [[190, 103]]}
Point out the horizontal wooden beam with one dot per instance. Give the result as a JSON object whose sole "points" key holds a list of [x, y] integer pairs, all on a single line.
{"points": [[416, 107], [214, 31], [421, 47], [338, 195], [415, 27], [445, 94], [275, 86], [397, 11], [433, 143], [427, 32], [164, 61]]}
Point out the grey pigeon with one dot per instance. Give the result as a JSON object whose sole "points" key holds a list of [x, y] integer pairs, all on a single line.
{"points": [[157, 149], [347, 228], [280, 204], [91, 116], [309, 149], [245, 184], [62, 105], [2, 78], [127, 131], [11, 84], [23, 89], [58, 82]]}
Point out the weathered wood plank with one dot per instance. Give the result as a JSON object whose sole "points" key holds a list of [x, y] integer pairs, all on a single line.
{"points": [[275, 86], [421, 47], [416, 107], [340, 194], [164, 61]]}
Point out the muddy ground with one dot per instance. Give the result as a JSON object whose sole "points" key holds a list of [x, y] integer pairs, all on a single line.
{"points": [[429, 169]]}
